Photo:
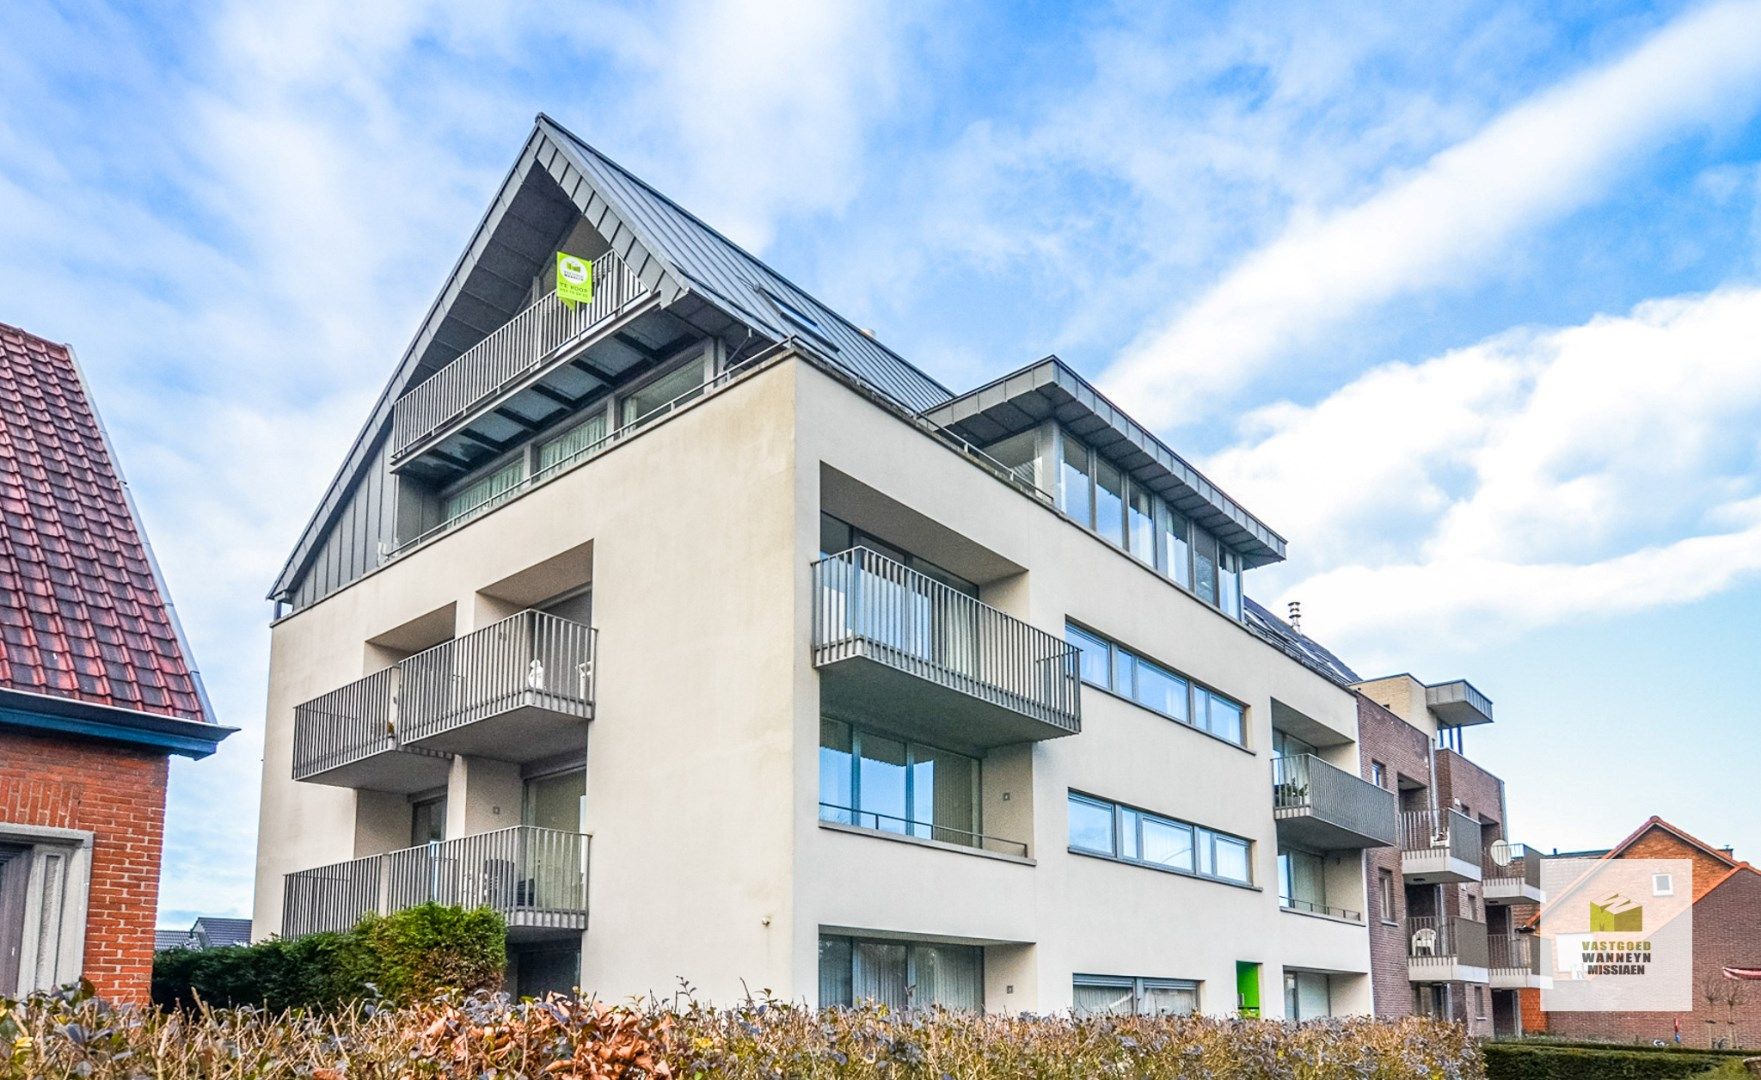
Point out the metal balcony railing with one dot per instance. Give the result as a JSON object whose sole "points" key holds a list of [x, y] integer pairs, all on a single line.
{"points": [[922, 830], [345, 725], [529, 659], [1312, 907], [1512, 865], [1343, 809], [514, 350], [868, 605], [1446, 942], [1515, 953], [1431, 830], [534, 877]]}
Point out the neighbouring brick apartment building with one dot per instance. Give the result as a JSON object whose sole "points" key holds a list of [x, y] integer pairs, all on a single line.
{"points": [[97, 689], [1727, 939]]}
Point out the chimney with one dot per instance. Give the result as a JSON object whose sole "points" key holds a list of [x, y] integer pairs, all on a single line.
{"points": [[1296, 615]]}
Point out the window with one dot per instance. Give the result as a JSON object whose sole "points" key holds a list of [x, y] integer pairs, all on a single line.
{"points": [[1204, 566], [427, 820], [1098, 495], [1141, 525], [1229, 584], [1307, 995], [900, 974], [1218, 715], [1074, 491], [44, 876], [1099, 827], [482, 493], [685, 380], [1302, 881], [1480, 1002], [571, 443], [1110, 503], [1662, 885], [1286, 745], [1176, 546], [554, 801], [1378, 774], [873, 781], [1019, 454], [1113, 667], [1385, 894], [1112, 995]]}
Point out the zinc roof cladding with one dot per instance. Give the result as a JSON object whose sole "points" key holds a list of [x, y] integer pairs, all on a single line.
{"points": [[739, 282], [82, 615]]}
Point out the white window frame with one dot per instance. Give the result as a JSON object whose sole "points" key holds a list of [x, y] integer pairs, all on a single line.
{"points": [[1138, 987], [72, 849]]}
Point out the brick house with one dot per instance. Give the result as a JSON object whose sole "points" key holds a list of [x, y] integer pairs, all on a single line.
{"points": [[1727, 935], [97, 689]]}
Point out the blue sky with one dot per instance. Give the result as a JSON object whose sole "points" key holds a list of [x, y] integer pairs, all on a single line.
{"points": [[1463, 298]]}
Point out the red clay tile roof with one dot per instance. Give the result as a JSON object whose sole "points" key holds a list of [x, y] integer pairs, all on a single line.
{"points": [[81, 612]]}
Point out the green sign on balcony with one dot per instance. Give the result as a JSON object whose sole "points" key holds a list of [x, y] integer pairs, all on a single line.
{"points": [[574, 280]]}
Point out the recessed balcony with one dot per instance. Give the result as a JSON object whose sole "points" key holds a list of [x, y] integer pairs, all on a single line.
{"points": [[1512, 874], [1515, 962], [897, 647], [535, 878], [1439, 847], [546, 359], [1324, 808], [517, 690], [1446, 950]]}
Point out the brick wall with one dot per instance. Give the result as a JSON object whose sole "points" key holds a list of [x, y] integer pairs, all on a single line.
{"points": [[1727, 933], [117, 794], [1404, 751]]}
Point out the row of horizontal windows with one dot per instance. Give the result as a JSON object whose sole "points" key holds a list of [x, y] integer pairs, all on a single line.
{"points": [[1099, 496], [1112, 666], [1116, 995], [1099, 827], [490, 489]]}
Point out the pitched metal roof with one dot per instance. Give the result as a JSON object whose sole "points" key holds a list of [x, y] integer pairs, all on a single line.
{"points": [[1052, 389], [709, 263], [1305, 649], [84, 616], [702, 277]]}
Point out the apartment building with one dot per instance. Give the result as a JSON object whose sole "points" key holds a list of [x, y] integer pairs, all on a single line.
{"points": [[97, 691], [1449, 933], [706, 638]]}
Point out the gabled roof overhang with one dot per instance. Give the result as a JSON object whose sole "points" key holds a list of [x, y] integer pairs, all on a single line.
{"points": [[701, 277], [1051, 390]]}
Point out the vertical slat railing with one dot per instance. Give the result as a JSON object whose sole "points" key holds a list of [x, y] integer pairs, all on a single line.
{"points": [[1426, 830], [533, 876], [332, 898], [1290, 783], [528, 658], [1431, 940], [1515, 952], [345, 725], [864, 601], [509, 352]]}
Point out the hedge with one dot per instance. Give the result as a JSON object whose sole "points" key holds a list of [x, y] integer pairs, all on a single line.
{"points": [[65, 1036], [401, 957], [1542, 1061]]}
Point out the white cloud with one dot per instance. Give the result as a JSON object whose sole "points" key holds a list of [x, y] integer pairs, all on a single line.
{"points": [[1451, 219], [1537, 476]]}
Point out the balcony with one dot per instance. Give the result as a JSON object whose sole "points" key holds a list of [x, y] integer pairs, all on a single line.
{"points": [[517, 690], [1446, 950], [1515, 963], [1512, 874], [942, 835], [1439, 847], [533, 356], [900, 648], [535, 878], [1324, 808]]}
